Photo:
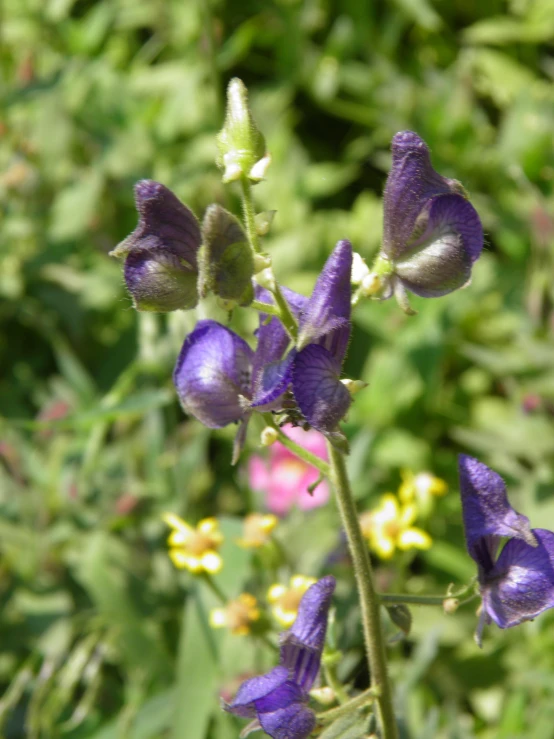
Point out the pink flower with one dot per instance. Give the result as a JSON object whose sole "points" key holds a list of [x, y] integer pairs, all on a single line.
{"points": [[284, 479]]}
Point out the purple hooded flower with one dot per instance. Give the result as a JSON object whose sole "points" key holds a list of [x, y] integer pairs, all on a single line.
{"points": [[432, 234], [220, 380], [518, 584], [161, 255], [312, 368], [278, 701]]}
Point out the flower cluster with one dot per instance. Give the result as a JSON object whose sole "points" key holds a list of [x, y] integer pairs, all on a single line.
{"points": [[517, 584], [278, 701], [237, 615], [221, 380]]}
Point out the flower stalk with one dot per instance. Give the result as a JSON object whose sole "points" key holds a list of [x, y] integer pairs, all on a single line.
{"points": [[296, 449], [369, 600]]}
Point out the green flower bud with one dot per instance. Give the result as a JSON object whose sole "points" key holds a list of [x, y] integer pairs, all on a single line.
{"points": [[227, 262], [240, 143]]}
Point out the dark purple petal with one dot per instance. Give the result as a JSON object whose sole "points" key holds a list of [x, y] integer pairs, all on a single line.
{"points": [[213, 374], [487, 512], [319, 393], [411, 183], [161, 253], [521, 584], [439, 260], [326, 319], [302, 644], [273, 340], [158, 281], [271, 383], [255, 689], [295, 721]]}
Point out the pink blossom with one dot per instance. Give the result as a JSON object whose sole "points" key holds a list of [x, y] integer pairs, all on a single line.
{"points": [[284, 479]]}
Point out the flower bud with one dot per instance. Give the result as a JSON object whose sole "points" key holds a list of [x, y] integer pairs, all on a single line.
{"points": [[240, 143], [161, 254], [359, 269], [261, 262], [227, 263], [268, 436], [354, 386], [450, 605], [263, 221]]}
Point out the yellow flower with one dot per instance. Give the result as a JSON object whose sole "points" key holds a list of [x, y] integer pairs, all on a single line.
{"points": [[421, 487], [194, 549], [285, 601], [389, 527], [237, 615], [257, 530]]}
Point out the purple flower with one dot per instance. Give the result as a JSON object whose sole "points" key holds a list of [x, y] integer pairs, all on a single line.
{"points": [[278, 701], [312, 368], [518, 584], [432, 234], [220, 380], [161, 255]]}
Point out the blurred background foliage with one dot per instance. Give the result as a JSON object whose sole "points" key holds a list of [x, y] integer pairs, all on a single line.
{"points": [[100, 637]]}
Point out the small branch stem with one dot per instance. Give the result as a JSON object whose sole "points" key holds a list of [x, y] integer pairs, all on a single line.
{"points": [[369, 600], [296, 449], [327, 717], [333, 682]]}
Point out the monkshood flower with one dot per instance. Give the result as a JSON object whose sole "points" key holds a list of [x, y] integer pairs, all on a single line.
{"points": [[517, 584], [221, 380], [432, 234], [278, 700], [161, 255]]}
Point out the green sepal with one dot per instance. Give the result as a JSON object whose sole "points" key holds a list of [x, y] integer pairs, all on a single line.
{"points": [[226, 259]]}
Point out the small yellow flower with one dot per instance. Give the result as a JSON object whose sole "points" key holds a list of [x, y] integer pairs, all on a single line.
{"points": [[421, 488], [194, 549], [257, 530], [389, 527], [285, 600], [237, 615]]}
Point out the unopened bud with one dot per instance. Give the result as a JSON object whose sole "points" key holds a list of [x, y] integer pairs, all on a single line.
{"points": [[240, 143], [269, 436], [261, 262], [227, 263], [372, 284], [354, 386], [450, 605], [266, 279], [325, 695], [258, 171], [263, 221], [360, 270]]}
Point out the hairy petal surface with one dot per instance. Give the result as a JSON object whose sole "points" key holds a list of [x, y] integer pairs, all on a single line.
{"points": [[255, 689], [213, 374], [521, 583], [302, 644], [162, 252], [487, 512], [318, 391], [326, 318], [412, 181], [440, 259]]}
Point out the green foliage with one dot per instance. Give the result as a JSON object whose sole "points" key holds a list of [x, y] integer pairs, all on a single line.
{"points": [[101, 638]]}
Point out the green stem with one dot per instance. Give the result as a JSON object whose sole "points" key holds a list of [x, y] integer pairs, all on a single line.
{"points": [[421, 600], [359, 701], [285, 313], [369, 600], [333, 682], [271, 310], [296, 449]]}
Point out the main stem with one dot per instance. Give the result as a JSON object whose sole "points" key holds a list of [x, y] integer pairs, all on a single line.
{"points": [[369, 600]]}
